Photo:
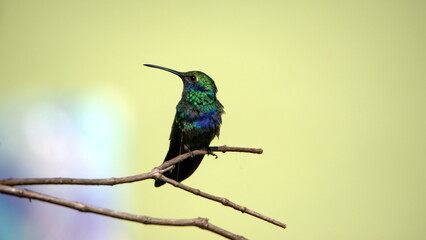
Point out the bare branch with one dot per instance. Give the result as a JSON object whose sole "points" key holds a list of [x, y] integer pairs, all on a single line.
{"points": [[224, 201], [202, 223], [113, 181], [223, 149], [155, 173], [75, 181]]}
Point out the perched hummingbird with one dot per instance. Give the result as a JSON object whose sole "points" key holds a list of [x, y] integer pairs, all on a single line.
{"points": [[197, 121]]}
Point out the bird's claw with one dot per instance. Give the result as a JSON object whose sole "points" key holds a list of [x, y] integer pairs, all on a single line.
{"points": [[191, 154], [210, 152]]}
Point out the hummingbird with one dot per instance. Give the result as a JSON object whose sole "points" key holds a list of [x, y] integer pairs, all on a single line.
{"points": [[197, 121]]}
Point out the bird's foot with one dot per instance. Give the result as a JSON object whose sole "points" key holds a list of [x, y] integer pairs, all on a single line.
{"points": [[189, 151], [210, 152]]}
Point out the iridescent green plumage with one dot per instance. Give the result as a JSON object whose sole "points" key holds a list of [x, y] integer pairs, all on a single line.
{"points": [[197, 121]]}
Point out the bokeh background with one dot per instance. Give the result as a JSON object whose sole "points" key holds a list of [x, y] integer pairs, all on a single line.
{"points": [[333, 91]]}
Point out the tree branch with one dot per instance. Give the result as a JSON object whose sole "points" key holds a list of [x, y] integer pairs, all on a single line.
{"points": [[202, 223], [156, 173], [224, 201]]}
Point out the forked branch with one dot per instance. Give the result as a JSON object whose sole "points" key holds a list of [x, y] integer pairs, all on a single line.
{"points": [[156, 173]]}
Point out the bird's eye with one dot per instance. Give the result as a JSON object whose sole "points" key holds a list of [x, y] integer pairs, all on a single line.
{"points": [[193, 78]]}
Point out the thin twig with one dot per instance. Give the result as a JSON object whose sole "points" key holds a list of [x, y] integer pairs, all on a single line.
{"points": [[202, 223], [224, 201], [222, 149]]}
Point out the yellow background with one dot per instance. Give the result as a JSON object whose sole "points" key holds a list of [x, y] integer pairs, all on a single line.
{"points": [[333, 91]]}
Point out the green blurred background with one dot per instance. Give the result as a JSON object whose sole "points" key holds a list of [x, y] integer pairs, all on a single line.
{"points": [[333, 91]]}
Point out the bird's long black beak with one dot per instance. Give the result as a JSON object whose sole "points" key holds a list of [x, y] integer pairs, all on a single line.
{"points": [[165, 69]]}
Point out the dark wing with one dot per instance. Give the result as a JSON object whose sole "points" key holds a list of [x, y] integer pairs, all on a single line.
{"points": [[183, 169]]}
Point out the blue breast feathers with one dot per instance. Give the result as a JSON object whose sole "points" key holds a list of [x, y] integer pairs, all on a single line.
{"points": [[210, 119]]}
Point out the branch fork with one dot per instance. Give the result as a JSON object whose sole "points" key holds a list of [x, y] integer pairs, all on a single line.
{"points": [[6, 187]]}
